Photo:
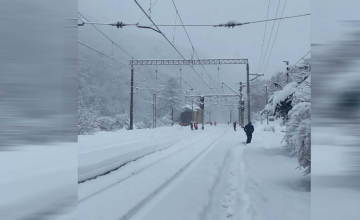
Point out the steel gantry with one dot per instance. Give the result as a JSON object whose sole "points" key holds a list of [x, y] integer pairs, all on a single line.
{"points": [[190, 62]]}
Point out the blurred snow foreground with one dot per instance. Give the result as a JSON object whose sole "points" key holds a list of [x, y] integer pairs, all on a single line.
{"points": [[37, 182], [336, 114], [175, 173]]}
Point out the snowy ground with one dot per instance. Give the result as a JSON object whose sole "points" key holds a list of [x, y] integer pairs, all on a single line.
{"points": [[38, 182], [175, 173]]}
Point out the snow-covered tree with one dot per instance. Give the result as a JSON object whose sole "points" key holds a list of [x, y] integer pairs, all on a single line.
{"points": [[293, 104], [170, 98], [298, 134]]}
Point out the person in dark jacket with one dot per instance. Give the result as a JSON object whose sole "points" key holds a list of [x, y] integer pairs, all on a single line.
{"points": [[191, 125], [249, 129], [234, 125]]}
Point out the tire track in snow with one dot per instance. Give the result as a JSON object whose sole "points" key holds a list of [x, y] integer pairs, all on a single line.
{"points": [[129, 214], [144, 168]]}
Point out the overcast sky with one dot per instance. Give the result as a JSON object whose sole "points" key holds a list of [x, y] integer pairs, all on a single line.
{"points": [[292, 42]]}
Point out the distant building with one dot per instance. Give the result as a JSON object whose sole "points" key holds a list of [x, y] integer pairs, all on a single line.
{"points": [[198, 116], [186, 114]]}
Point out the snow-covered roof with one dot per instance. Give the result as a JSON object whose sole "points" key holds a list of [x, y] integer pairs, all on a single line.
{"points": [[188, 106]]}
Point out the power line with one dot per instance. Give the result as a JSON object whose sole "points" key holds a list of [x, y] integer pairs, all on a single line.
{"points": [[100, 60], [275, 37], [122, 83], [127, 66], [193, 48], [300, 59], [108, 37], [148, 11], [262, 47], [115, 65], [116, 43], [229, 24], [88, 64], [267, 47], [102, 53], [170, 42]]}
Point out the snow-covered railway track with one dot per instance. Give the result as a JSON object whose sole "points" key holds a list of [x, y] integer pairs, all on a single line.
{"points": [[123, 202], [144, 201], [138, 171], [108, 165]]}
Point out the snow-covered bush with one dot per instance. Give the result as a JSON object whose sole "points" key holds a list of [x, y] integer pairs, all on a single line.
{"points": [[106, 123], [87, 121], [140, 125], [164, 121], [298, 134], [269, 128], [122, 121]]}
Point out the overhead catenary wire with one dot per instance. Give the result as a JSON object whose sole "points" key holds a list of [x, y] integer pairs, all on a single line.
{"points": [[88, 64], [272, 28], [275, 37], [107, 37], [127, 66], [300, 59], [102, 53], [148, 11], [112, 66], [209, 25], [122, 83], [170, 42], [262, 47], [187, 34], [114, 43]]}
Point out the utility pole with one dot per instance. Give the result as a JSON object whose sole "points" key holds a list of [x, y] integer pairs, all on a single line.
{"points": [[202, 110], [172, 115], [242, 112], [156, 79], [192, 109], [267, 113], [153, 110], [180, 77], [202, 125], [287, 71], [240, 90], [209, 115], [132, 97], [154, 100], [248, 91], [230, 115], [242, 106]]}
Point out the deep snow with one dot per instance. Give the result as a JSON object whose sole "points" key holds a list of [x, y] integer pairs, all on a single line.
{"points": [[186, 174]]}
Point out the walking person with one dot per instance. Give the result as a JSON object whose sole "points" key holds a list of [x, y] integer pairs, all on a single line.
{"points": [[234, 125], [191, 125], [249, 129]]}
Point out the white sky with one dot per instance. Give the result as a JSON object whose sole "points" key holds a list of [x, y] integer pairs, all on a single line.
{"points": [[292, 42]]}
